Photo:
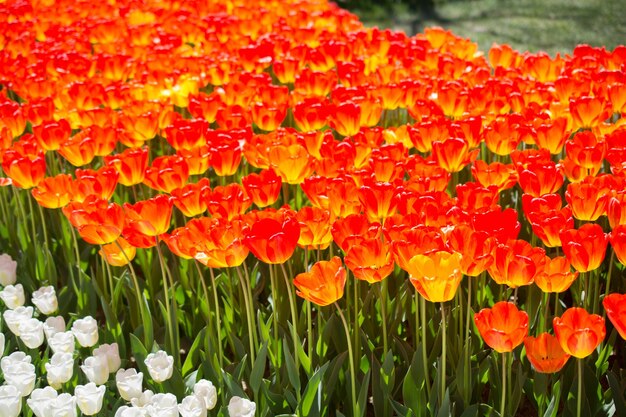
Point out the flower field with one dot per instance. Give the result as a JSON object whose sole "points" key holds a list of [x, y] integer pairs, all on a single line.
{"points": [[263, 208]]}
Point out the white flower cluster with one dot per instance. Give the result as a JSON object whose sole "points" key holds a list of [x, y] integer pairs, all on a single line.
{"points": [[20, 375]]}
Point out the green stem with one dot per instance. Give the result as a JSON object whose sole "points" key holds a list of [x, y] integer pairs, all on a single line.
{"points": [[442, 377], [503, 403], [170, 328], [468, 340], [607, 289], [383, 314], [248, 288], [355, 404], [274, 302], [424, 352], [294, 324], [579, 401], [248, 307], [546, 311], [218, 319], [357, 340]]}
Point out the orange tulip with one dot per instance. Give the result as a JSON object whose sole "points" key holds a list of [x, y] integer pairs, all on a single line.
{"points": [[26, 171], [311, 114], [476, 248], [323, 284], [274, 239], [370, 260], [51, 135], [101, 183], [314, 228], [351, 230], [79, 150], [226, 152], [409, 242], [98, 222], [618, 242], [186, 134], [548, 225], [197, 159], [579, 332], [263, 188], [552, 136], [588, 198], [516, 263], [615, 306], [545, 353], [130, 164], [227, 201], [292, 163], [503, 225], [616, 209], [556, 275], [217, 242], [150, 217], [503, 327], [54, 192], [503, 176], [585, 247], [190, 199], [345, 118], [473, 197], [453, 154], [586, 150], [167, 173], [538, 178], [378, 199], [436, 275], [588, 112], [115, 256]]}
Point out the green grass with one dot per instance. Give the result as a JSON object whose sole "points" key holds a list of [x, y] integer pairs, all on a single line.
{"points": [[527, 25]]}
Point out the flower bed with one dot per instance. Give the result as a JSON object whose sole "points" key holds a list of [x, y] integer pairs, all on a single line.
{"points": [[148, 148]]}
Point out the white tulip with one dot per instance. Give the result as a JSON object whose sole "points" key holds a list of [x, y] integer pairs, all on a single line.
{"points": [[89, 398], [163, 405], [97, 369], [13, 358], [8, 270], [13, 296], [241, 407], [143, 400], [129, 383], [10, 401], [13, 318], [206, 392], [62, 342], [60, 369], [22, 376], [192, 406], [31, 333], [62, 406], [1, 344], [111, 353], [53, 325], [125, 411], [86, 331], [45, 299], [160, 366], [39, 399]]}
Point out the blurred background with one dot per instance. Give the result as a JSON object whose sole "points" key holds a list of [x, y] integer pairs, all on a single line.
{"points": [[553, 26]]}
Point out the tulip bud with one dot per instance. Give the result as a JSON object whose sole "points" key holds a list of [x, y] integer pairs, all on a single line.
{"points": [[13, 318], [60, 369], [39, 399], [86, 331], [241, 407], [89, 398], [206, 392], [10, 401], [192, 406], [96, 369], [53, 325], [8, 270], [111, 353], [62, 342], [160, 365], [13, 296], [31, 333], [45, 299], [129, 383]]}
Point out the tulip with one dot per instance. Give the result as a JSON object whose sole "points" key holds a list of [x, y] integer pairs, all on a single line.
{"points": [[59, 369], [31, 333], [53, 325], [503, 327], [579, 332], [129, 382], [516, 263], [163, 405], [98, 222], [21, 375], [191, 406], [545, 353], [39, 399], [241, 407], [273, 240], [13, 318], [160, 366], [436, 275], [556, 275], [585, 247], [45, 300], [615, 306], [12, 359], [142, 400], [149, 217], [8, 269], [111, 353], [262, 188], [370, 260], [96, 368], [2, 340], [13, 296], [89, 398], [10, 401], [85, 331], [206, 392], [63, 406], [323, 284], [62, 342]]}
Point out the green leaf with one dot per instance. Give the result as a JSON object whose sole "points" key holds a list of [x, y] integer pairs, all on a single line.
{"points": [[362, 402], [258, 370], [290, 363], [193, 352], [307, 401]]}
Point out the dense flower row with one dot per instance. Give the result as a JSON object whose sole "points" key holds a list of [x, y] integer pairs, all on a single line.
{"points": [[416, 152]]}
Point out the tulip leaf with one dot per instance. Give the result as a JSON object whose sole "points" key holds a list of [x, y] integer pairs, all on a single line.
{"points": [[362, 401], [479, 410], [192, 355], [233, 387], [553, 406], [258, 369], [444, 408], [413, 391], [308, 403], [292, 372], [617, 393]]}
